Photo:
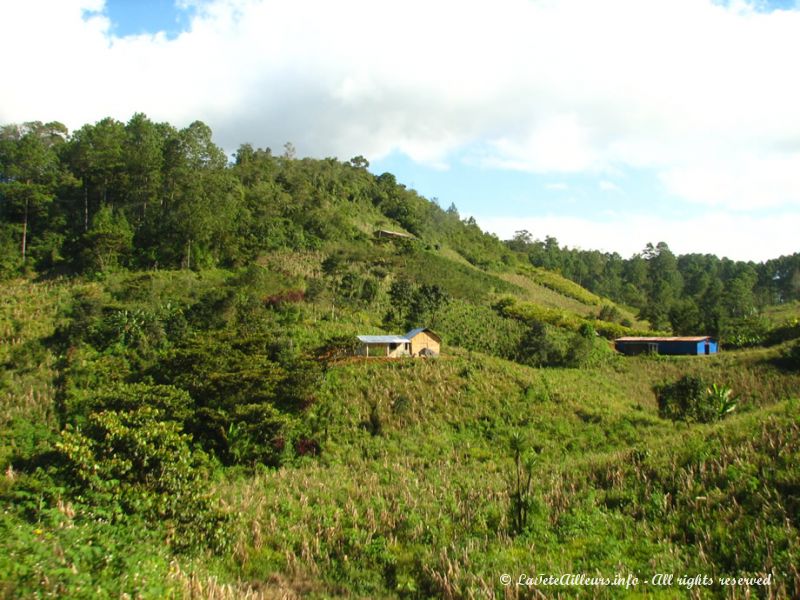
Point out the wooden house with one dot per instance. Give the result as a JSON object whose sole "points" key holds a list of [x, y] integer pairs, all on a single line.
{"points": [[424, 342], [417, 342]]}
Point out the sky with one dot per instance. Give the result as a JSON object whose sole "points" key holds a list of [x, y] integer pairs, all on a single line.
{"points": [[607, 125]]}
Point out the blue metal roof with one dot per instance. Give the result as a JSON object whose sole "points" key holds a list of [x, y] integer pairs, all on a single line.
{"points": [[414, 332], [419, 330]]}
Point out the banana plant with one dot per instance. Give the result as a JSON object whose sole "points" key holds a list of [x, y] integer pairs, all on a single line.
{"points": [[722, 398]]}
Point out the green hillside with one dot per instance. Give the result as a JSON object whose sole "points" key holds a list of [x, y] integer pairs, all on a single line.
{"points": [[183, 416], [391, 479]]}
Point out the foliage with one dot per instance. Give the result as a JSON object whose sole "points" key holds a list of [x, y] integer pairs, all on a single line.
{"points": [[136, 462], [528, 312], [691, 399], [745, 332], [182, 414], [246, 394], [413, 305], [108, 240], [520, 486], [562, 285], [691, 294], [791, 356]]}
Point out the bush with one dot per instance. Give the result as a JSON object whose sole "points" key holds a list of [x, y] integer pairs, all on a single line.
{"points": [[537, 347], [610, 313], [136, 461], [745, 332], [791, 357], [692, 399]]}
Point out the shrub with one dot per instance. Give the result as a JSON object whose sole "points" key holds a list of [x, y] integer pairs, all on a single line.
{"points": [[745, 332], [134, 462], [537, 347], [609, 312], [692, 399], [792, 356]]}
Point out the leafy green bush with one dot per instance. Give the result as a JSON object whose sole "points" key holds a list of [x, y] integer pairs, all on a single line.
{"points": [[539, 348], [248, 393], [690, 398], [792, 356], [745, 332], [131, 457], [609, 312]]}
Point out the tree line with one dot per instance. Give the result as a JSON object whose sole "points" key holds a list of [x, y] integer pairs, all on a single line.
{"points": [[144, 194], [690, 293]]}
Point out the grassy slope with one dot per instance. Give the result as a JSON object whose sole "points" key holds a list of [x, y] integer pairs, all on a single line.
{"points": [[28, 372], [423, 507], [789, 312]]}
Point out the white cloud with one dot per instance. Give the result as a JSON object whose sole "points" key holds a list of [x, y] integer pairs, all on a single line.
{"points": [[700, 92], [608, 186], [733, 235], [557, 186], [739, 183]]}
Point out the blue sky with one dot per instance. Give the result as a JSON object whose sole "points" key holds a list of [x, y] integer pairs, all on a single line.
{"points": [[134, 17], [606, 124]]}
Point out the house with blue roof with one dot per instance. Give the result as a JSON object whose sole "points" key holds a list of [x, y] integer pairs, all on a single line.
{"points": [[421, 342]]}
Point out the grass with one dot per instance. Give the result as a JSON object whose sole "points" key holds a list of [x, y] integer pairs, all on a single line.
{"points": [[411, 495], [783, 313], [424, 505], [28, 369]]}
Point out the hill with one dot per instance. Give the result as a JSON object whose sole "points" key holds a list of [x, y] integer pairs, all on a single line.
{"points": [[182, 415], [388, 479]]}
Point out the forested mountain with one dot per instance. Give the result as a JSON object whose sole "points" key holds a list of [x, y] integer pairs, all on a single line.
{"points": [[182, 416], [143, 195]]}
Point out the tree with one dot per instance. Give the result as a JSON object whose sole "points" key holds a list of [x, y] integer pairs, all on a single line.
{"points": [[29, 170], [401, 293], [685, 317], [521, 241], [738, 299], [428, 300], [536, 348], [359, 162], [96, 155], [130, 453], [109, 238], [203, 198], [664, 284], [143, 162]]}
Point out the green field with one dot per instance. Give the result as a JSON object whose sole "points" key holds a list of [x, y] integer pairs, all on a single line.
{"points": [[412, 488]]}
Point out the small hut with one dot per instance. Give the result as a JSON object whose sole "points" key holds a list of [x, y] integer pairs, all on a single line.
{"points": [[387, 346], [393, 235], [424, 342]]}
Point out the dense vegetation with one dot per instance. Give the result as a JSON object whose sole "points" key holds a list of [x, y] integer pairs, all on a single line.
{"points": [[687, 293], [181, 416]]}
